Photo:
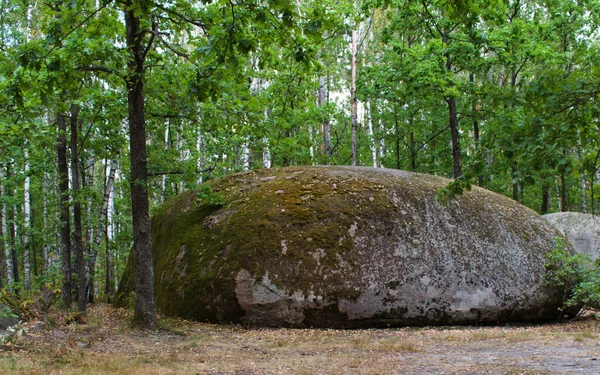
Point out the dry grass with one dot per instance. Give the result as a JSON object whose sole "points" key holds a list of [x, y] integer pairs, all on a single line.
{"points": [[106, 345]]}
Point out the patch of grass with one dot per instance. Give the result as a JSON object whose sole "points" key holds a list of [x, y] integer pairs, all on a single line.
{"points": [[397, 345]]}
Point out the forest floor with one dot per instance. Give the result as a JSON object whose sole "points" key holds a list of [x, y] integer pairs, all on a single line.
{"points": [[106, 345]]}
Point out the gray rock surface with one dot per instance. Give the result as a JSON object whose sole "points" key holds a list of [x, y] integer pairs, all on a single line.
{"points": [[349, 247], [582, 230]]}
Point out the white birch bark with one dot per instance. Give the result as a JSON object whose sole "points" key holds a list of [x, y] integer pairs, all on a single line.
{"points": [[326, 125], [164, 176], [245, 155], [45, 241], [266, 154], [93, 255], [3, 222], [382, 137], [311, 148], [26, 220], [373, 146]]}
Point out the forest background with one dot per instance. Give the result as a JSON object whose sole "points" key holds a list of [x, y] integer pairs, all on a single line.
{"points": [[105, 103]]}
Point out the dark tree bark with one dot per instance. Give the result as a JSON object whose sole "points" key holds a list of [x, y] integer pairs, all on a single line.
{"points": [[545, 198], [515, 185], [145, 308], [65, 226], [453, 119], [475, 126], [453, 113], [77, 228]]}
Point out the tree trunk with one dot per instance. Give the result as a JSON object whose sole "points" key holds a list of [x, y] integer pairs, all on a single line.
{"points": [[12, 231], [110, 181], [145, 308], [373, 144], [322, 101], [453, 118], [545, 198], [7, 244], [563, 191], [77, 228], [109, 288], [475, 126], [397, 134], [382, 151], [354, 101], [413, 152], [65, 226], [26, 221], [453, 113], [87, 179], [45, 241], [515, 185]]}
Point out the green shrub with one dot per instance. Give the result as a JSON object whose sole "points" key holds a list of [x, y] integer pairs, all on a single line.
{"points": [[575, 276]]}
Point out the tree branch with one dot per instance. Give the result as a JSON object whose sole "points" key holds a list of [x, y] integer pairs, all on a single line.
{"points": [[154, 33], [173, 49]]}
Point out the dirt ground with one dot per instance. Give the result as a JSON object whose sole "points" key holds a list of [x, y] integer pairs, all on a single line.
{"points": [[106, 345]]}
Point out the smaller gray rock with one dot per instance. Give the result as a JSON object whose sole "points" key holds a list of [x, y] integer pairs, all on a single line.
{"points": [[582, 230], [6, 322]]}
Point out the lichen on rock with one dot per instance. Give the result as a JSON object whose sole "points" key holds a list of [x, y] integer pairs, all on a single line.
{"points": [[349, 247]]}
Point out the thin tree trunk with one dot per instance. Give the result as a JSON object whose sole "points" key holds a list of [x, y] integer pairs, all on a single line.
{"points": [[563, 191], [45, 222], [354, 101], [12, 231], [5, 235], [397, 134], [145, 308], [582, 183], [77, 228], [65, 226], [453, 119], [322, 101], [412, 144], [413, 152], [88, 180], [475, 126], [26, 221], [372, 134], [382, 151], [515, 185], [109, 288], [545, 198], [110, 181]]}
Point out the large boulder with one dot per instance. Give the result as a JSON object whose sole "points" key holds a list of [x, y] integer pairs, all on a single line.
{"points": [[348, 247], [582, 230]]}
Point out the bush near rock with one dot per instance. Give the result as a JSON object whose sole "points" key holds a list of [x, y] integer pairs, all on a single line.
{"points": [[348, 247]]}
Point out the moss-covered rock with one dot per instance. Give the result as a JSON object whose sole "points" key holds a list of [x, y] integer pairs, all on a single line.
{"points": [[348, 247]]}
